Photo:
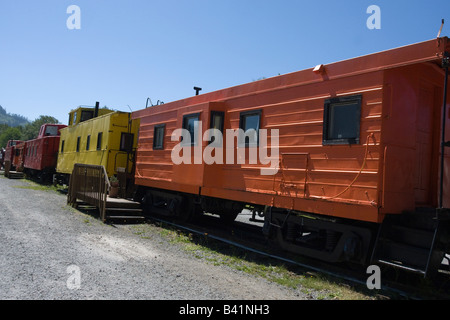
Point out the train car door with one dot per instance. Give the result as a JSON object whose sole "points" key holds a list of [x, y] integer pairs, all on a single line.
{"points": [[423, 188]]}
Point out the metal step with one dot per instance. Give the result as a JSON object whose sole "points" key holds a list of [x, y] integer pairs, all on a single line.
{"points": [[126, 212], [121, 203], [401, 266], [407, 242], [134, 218], [403, 255], [123, 209], [15, 175], [415, 237]]}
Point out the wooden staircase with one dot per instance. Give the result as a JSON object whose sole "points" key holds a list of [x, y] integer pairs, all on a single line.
{"points": [[124, 210], [15, 175], [90, 184], [410, 241]]}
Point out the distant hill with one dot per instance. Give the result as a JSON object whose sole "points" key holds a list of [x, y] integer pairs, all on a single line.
{"points": [[12, 120]]}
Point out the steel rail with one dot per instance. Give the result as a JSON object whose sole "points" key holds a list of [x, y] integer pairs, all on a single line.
{"points": [[355, 280]]}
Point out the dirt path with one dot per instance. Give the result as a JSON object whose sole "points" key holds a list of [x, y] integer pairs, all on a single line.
{"points": [[51, 251]]}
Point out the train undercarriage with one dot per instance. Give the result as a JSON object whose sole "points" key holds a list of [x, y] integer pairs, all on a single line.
{"points": [[414, 241], [42, 176]]}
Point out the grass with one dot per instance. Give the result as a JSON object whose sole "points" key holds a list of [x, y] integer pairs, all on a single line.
{"points": [[313, 285], [35, 186]]}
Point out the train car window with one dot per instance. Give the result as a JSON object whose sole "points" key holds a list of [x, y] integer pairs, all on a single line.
{"points": [[217, 122], [99, 140], [126, 142], [158, 137], [78, 144], [51, 131], [86, 115], [341, 121], [74, 117], [62, 146], [88, 142], [250, 123], [190, 123]]}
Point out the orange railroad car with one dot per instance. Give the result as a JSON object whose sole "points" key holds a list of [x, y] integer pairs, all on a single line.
{"points": [[356, 144]]}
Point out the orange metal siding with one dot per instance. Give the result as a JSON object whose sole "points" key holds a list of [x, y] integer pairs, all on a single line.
{"points": [[393, 168]]}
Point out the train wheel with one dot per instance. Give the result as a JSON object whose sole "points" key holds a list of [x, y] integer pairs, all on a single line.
{"points": [[147, 203], [228, 217], [189, 210]]}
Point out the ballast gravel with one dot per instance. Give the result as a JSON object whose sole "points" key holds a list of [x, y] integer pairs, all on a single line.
{"points": [[49, 250]]}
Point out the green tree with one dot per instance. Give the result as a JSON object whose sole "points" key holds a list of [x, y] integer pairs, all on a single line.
{"points": [[11, 133], [3, 127], [31, 130]]}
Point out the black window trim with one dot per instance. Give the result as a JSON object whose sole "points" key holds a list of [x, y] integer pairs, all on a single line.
{"points": [[99, 141], [214, 113], [88, 142], [86, 115], [242, 116], [126, 142], [326, 120], [78, 143], [157, 127], [193, 142]]}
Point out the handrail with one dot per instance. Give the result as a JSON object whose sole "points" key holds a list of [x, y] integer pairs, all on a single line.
{"points": [[89, 183]]}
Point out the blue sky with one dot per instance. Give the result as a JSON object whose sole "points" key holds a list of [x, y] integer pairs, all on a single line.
{"points": [[127, 51]]}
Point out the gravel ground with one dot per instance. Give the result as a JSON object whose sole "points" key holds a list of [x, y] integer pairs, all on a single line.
{"points": [[50, 251]]}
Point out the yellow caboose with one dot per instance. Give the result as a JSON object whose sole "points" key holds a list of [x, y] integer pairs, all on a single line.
{"points": [[97, 137]]}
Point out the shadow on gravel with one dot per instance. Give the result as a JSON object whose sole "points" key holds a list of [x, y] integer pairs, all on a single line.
{"points": [[397, 285]]}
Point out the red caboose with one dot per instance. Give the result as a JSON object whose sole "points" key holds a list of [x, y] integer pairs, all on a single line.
{"points": [[40, 154], [9, 156], [19, 156], [2, 157]]}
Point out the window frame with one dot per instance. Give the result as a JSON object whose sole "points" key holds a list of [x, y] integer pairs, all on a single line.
{"points": [[186, 118], [88, 142], [242, 119], [213, 114], [99, 141], [126, 142], [78, 143], [328, 106], [155, 130], [86, 115]]}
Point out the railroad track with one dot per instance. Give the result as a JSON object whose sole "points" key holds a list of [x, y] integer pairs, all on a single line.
{"points": [[248, 237]]}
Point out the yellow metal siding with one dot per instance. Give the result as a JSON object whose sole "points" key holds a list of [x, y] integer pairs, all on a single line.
{"points": [[111, 126]]}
